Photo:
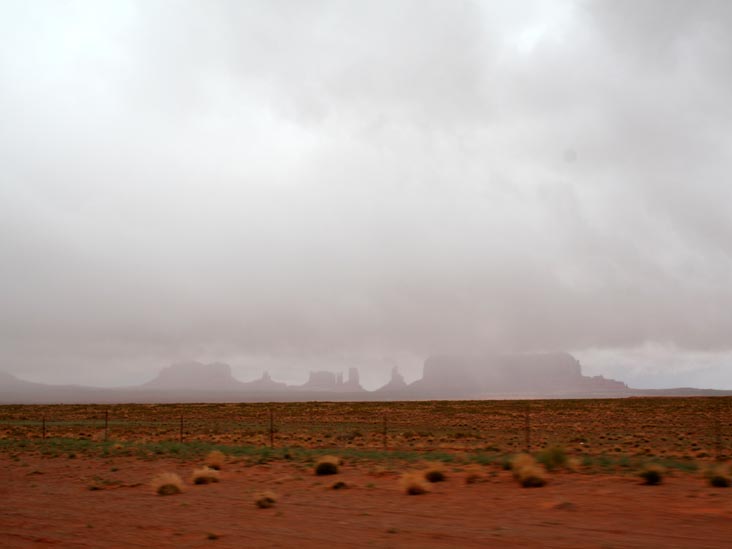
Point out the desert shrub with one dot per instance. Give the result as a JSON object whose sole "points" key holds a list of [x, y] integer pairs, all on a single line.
{"points": [[652, 474], [414, 484], [265, 500], [327, 465], [215, 460], [472, 478], [339, 485], [574, 464], [553, 457], [527, 472], [474, 474], [520, 461], [167, 484], [718, 477], [204, 475], [719, 480], [434, 472], [532, 477]]}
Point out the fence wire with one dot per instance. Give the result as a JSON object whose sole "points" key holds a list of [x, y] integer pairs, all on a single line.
{"points": [[682, 427]]}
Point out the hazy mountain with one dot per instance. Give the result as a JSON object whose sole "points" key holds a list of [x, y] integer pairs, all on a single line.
{"points": [[548, 375]]}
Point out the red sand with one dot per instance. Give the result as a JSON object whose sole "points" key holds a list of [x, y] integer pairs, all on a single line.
{"points": [[47, 501]]}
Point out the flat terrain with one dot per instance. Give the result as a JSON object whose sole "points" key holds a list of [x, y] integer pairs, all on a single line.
{"points": [[87, 483], [688, 428], [97, 501]]}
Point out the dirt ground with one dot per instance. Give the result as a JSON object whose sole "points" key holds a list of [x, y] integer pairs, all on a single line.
{"points": [[107, 502]]}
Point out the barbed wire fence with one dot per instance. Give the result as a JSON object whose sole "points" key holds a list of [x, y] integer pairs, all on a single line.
{"points": [[697, 428]]}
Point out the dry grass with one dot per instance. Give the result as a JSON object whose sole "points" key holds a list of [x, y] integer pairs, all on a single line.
{"points": [[434, 472], [167, 484], [652, 474], [474, 474], [574, 464], [327, 465], [718, 477], [380, 471], [414, 484], [215, 460], [527, 472], [553, 457], [265, 500], [205, 475]]}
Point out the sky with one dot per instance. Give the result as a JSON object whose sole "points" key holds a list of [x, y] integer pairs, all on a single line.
{"points": [[293, 186]]}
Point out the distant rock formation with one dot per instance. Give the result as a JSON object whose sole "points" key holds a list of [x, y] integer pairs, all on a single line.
{"points": [[265, 383], [396, 382], [354, 382], [545, 373], [194, 375], [331, 381], [321, 381], [548, 375]]}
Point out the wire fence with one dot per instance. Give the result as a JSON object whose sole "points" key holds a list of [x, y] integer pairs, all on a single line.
{"points": [[695, 428]]}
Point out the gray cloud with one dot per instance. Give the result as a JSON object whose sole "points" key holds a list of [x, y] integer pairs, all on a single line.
{"points": [[274, 183]]}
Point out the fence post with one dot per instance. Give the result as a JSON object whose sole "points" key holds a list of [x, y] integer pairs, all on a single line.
{"points": [[528, 426], [384, 431], [43, 423], [180, 436], [271, 428], [106, 425], [718, 430]]}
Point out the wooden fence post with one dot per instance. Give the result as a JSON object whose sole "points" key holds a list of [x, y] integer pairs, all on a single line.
{"points": [[271, 428], [43, 423], [384, 432], [528, 426], [718, 430], [180, 436], [106, 425]]}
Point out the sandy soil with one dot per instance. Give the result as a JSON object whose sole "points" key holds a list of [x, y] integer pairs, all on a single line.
{"points": [[49, 501]]}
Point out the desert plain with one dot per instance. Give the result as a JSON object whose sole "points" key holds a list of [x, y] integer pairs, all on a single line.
{"points": [[88, 482]]}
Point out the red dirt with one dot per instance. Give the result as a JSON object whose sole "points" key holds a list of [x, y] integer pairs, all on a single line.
{"points": [[48, 501]]}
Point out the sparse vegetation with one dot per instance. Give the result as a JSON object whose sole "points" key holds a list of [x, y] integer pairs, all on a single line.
{"points": [[327, 465], [265, 500], [527, 472], [205, 475], [575, 464], [167, 484], [215, 460], [718, 477], [553, 458], [434, 472], [652, 474], [339, 485], [474, 474], [414, 484]]}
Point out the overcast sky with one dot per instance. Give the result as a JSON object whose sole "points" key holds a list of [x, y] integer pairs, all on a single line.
{"points": [[303, 185]]}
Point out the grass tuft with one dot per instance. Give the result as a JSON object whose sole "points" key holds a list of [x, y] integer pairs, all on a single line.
{"points": [[327, 465], [414, 484], [434, 472], [205, 475], [265, 500], [718, 477], [215, 460], [167, 484], [652, 474], [527, 472], [474, 474], [553, 458]]}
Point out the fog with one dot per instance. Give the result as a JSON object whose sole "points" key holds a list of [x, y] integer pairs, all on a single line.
{"points": [[319, 185]]}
